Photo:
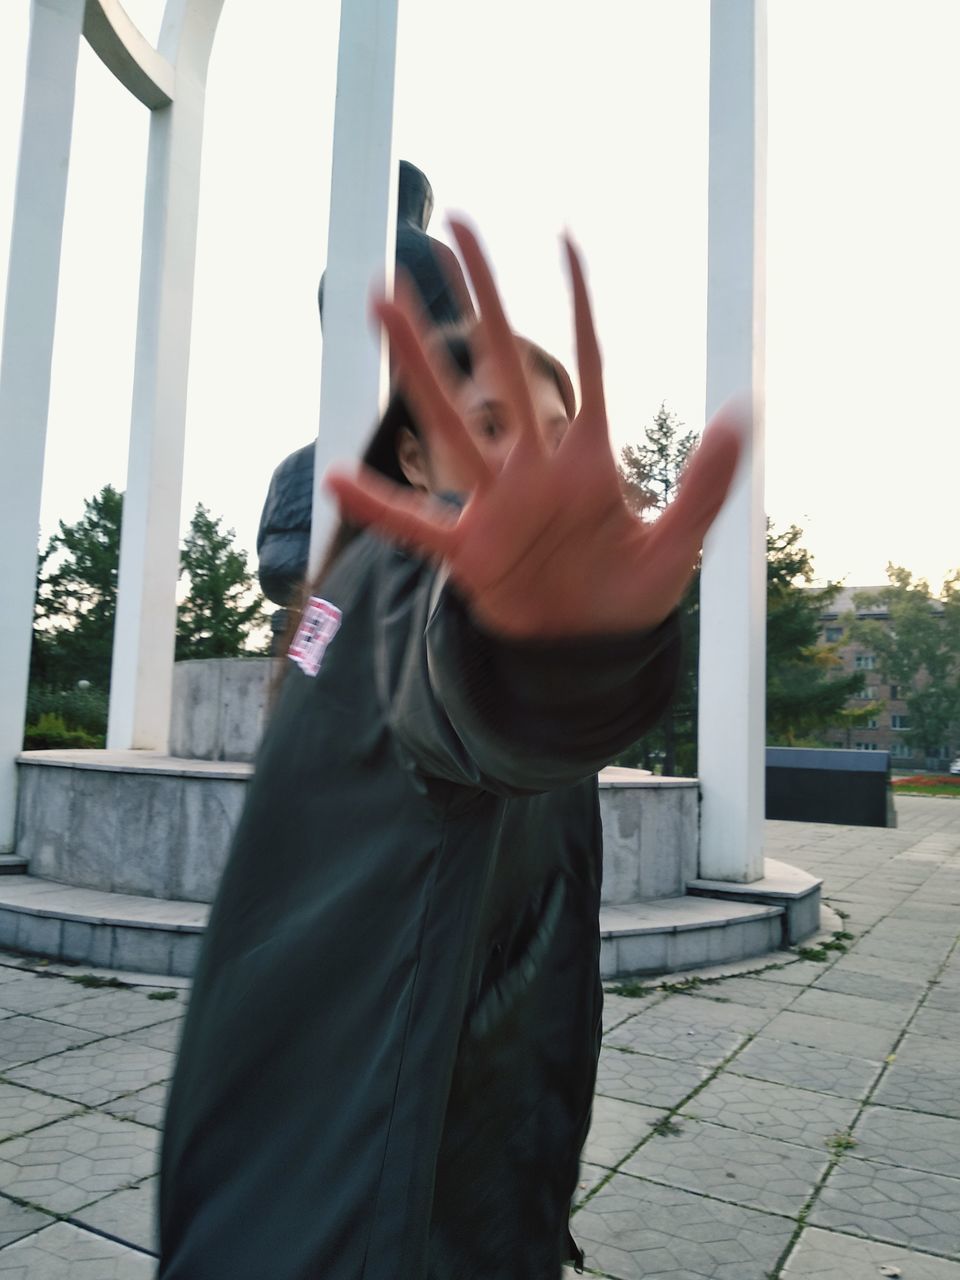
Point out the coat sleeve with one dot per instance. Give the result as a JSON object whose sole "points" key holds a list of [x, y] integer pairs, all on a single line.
{"points": [[512, 717]]}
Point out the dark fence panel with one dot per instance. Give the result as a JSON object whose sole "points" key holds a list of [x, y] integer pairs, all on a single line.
{"points": [[806, 784]]}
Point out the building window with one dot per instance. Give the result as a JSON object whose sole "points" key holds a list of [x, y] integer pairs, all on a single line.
{"points": [[865, 746], [834, 634], [894, 692], [899, 722], [873, 724], [901, 750], [865, 661]]}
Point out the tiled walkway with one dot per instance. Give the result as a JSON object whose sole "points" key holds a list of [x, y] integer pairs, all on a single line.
{"points": [[802, 1121]]}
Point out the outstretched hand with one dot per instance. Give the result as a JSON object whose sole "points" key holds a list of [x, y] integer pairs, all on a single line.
{"points": [[545, 547]]}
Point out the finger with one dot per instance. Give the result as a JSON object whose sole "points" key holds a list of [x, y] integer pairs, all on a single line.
{"points": [[402, 516], [501, 344], [423, 383], [593, 411], [706, 481]]}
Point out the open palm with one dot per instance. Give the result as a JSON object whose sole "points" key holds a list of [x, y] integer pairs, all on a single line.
{"points": [[545, 547]]}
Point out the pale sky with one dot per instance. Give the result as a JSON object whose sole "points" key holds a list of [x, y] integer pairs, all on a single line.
{"points": [[531, 117]]}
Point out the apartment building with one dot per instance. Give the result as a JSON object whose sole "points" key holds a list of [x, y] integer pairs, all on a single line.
{"points": [[886, 730]]}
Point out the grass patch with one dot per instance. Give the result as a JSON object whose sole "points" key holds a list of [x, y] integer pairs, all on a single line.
{"points": [[632, 990], [817, 954], [92, 980], [682, 986], [666, 1128], [822, 951], [689, 984], [838, 1143], [161, 995]]}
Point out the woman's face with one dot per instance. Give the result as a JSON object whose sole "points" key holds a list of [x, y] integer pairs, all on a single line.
{"points": [[434, 467]]}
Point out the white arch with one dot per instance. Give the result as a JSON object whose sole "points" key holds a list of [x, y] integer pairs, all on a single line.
{"points": [[171, 81], [362, 224], [25, 361], [144, 636], [129, 55]]}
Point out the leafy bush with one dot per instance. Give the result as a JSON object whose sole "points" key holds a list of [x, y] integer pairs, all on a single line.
{"points": [[82, 709], [50, 733]]}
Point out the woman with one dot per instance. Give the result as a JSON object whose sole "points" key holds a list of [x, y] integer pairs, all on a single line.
{"points": [[389, 1058]]}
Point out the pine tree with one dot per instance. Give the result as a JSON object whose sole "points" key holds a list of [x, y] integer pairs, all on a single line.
{"points": [[651, 471], [77, 596], [649, 474], [806, 689], [222, 608]]}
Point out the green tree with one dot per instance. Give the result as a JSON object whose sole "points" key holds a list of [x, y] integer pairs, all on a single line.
{"points": [[76, 599], [222, 609], [918, 649], [650, 473], [807, 691]]}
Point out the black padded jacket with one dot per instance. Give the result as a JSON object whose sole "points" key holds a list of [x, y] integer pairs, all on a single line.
{"points": [[389, 1058]]}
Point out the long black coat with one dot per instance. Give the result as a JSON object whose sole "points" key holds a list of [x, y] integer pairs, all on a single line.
{"points": [[389, 1058]]}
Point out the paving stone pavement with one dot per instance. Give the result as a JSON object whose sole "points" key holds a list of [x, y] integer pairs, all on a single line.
{"points": [[785, 1122]]}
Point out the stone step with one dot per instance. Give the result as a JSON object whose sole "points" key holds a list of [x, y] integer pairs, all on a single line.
{"points": [[666, 935], [153, 935], [780, 886], [11, 865], [107, 930]]}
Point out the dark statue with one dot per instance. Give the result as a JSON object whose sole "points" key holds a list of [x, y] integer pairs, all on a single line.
{"points": [[283, 541]]}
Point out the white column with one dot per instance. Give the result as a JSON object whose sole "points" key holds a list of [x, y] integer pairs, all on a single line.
{"points": [[29, 320], [360, 246], [732, 716], [142, 672]]}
